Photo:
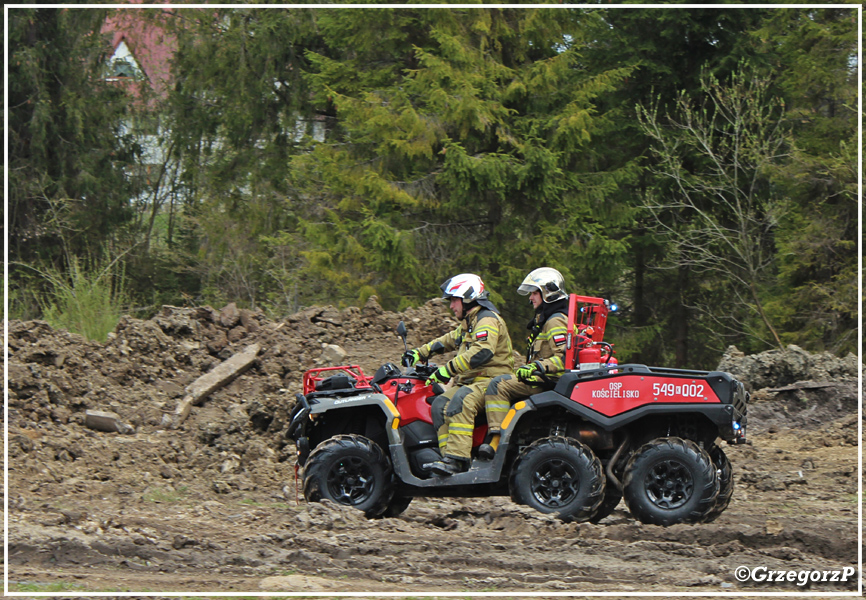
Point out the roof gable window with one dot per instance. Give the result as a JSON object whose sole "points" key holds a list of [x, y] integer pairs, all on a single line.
{"points": [[122, 64]]}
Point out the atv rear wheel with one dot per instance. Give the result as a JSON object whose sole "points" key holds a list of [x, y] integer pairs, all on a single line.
{"points": [[558, 475], [350, 470], [725, 473], [670, 480]]}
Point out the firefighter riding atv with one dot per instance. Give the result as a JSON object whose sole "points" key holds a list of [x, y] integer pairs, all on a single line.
{"points": [[600, 434]]}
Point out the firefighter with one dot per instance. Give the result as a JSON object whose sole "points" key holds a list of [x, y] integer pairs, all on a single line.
{"points": [[545, 353], [483, 352]]}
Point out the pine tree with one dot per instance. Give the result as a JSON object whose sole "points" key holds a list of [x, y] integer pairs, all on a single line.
{"points": [[69, 196], [814, 53], [240, 109], [460, 146], [67, 189]]}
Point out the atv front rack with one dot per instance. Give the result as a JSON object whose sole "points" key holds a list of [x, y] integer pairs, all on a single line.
{"points": [[313, 378]]}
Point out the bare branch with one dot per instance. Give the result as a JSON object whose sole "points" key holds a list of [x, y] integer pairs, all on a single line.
{"points": [[722, 214]]}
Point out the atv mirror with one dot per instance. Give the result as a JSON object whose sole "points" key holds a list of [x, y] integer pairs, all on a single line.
{"points": [[401, 331]]}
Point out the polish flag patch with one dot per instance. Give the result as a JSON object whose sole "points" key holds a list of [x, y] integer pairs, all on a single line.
{"points": [[481, 335], [559, 339]]}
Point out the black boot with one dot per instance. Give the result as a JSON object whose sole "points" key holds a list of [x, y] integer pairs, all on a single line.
{"points": [[449, 466], [487, 450]]}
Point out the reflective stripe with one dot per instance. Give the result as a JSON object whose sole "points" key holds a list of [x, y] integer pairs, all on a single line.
{"points": [[546, 335], [498, 405], [391, 407], [395, 415], [463, 433], [461, 429], [464, 426]]}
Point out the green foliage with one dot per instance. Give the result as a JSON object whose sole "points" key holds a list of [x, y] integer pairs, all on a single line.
{"points": [[87, 297], [67, 147], [159, 495], [816, 298], [667, 50], [318, 156], [459, 147], [43, 588], [718, 206]]}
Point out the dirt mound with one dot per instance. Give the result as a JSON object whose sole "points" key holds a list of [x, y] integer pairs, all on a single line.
{"points": [[211, 505], [776, 368], [796, 388], [144, 368]]}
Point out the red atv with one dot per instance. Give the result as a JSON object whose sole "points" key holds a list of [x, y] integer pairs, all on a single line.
{"points": [[601, 433]]}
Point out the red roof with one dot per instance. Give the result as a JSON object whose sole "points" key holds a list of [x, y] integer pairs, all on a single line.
{"points": [[148, 42]]}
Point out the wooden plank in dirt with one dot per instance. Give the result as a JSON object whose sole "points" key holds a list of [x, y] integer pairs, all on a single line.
{"points": [[208, 383]]}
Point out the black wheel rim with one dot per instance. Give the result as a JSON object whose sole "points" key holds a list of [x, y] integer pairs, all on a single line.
{"points": [[669, 484], [351, 481], [555, 483]]}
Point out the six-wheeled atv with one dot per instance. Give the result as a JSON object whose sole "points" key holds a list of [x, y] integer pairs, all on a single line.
{"points": [[600, 433]]}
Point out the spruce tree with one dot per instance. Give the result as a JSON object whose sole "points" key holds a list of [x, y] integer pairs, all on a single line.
{"points": [[67, 189], [460, 145]]}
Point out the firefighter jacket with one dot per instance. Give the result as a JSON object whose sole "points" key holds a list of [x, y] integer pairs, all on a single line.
{"points": [[547, 343], [482, 344]]}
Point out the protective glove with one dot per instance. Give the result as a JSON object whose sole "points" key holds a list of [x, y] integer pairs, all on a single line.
{"points": [[525, 372], [440, 375], [411, 358]]}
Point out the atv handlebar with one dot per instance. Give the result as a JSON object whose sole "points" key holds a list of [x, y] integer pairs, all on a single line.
{"points": [[424, 370], [543, 376]]}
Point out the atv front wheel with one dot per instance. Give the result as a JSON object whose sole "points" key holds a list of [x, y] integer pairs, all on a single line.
{"points": [[558, 475], [350, 470], [725, 473], [670, 480], [397, 506], [611, 499]]}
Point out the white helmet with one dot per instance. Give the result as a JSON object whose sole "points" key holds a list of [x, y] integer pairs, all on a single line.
{"points": [[465, 286], [545, 280]]}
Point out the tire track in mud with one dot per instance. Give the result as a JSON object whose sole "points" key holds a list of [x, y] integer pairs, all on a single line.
{"points": [[492, 545]]}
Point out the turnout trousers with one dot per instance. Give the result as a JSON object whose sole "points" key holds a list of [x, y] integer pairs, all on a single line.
{"points": [[501, 393], [454, 415]]}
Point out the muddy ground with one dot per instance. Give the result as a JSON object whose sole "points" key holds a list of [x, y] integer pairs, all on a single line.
{"points": [[211, 505]]}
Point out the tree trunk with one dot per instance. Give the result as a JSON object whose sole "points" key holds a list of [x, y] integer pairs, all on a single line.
{"points": [[640, 308], [760, 308], [681, 320]]}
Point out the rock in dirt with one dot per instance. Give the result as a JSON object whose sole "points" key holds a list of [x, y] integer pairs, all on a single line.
{"points": [[106, 421], [332, 356]]}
